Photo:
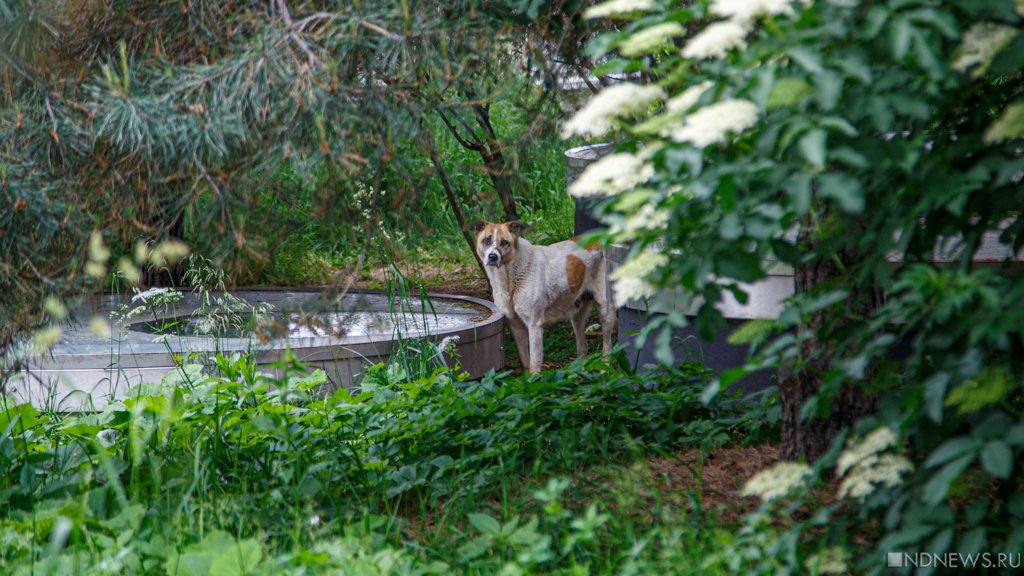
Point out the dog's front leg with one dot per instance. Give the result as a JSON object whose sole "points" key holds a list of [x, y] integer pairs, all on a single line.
{"points": [[522, 340], [536, 346]]}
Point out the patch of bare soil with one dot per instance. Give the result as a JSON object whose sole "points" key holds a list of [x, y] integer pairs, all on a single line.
{"points": [[439, 279], [689, 479]]}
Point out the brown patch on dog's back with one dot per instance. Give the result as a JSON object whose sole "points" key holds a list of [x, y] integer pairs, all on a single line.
{"points": [[575, 272], [591, 246]]}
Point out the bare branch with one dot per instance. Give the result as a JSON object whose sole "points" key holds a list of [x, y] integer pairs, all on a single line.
{"points": [[477, 146]]}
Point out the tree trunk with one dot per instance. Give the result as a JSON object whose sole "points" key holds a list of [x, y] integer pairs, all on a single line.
{"points": [[494, 161], [490, 150], [810, 438], [453, 202]]}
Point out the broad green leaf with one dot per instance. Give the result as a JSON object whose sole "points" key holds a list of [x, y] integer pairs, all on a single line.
{"points": [[876, 18], [845, 190], [807, 58], [902, 32], [838, 124], [752, 331], [663, 352], [954, 448], [787, 92], [730, 226], [812, 147], [484, 523], [990, 387], [239, 559], [1016, 505], [798, 188], [828, 89], [997, 459], [526, 534], [940, 543], [934, 394], [972, 542], [474, 548], [944, 22], [855, 67], [604, 43], [1015, 436], [21, 416], [937, 488]]}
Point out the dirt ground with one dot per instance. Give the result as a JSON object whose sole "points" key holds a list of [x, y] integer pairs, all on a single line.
{"points": [[687, 479], [458, 279]]}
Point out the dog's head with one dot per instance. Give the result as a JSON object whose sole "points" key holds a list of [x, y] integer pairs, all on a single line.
{"points": [[496, 243]]}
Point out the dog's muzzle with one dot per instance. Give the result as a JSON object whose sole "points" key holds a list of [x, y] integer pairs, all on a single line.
{"points": [[493, 259]]}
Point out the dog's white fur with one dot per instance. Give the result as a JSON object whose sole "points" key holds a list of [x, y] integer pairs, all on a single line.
{"points": [[535, 286]]}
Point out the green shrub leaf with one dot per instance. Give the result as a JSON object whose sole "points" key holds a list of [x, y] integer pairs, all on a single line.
{"points": [[484, 523], [997, 459]]}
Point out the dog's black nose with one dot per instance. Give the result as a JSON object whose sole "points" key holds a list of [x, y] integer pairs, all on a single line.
{"points": [[492, 257]]}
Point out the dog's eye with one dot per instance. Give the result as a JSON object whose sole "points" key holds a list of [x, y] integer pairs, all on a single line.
{"points": [[486, 241], [504, 242]]}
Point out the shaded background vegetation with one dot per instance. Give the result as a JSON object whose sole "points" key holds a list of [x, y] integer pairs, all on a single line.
{"points": [[252, 129]]}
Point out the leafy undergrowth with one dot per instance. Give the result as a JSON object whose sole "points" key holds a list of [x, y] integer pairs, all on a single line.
{"points": [[225, 470]]}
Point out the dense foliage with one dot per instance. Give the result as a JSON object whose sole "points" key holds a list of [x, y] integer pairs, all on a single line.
{"points": [[139, 119], [871, 146], [228, 471]]}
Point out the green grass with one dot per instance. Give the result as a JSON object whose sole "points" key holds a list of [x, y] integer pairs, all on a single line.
{"points": [[303, 229], [225, 470]]}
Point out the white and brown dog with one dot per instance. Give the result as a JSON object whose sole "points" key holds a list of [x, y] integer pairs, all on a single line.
{"points": [[535, 286]]}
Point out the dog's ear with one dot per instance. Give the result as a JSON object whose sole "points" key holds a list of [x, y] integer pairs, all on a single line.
{"points": [[478, 226], [516, 227]]}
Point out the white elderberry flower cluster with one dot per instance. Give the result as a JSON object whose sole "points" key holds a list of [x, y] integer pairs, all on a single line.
{"points": [[596, 117], [630, 279], [617, 8], [979, 46], [651, 39], [777, 481], [716, 40], [863, 466], [611, 174], [683, 102], [719, 38], [648, 217], [713, 124], [747, 10], [1008, 126]]}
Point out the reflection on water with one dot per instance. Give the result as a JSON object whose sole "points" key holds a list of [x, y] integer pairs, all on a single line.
{"points": [[293, 325]]}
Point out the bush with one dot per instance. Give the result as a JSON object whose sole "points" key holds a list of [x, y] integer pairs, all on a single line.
{"points": [[224, 472], [830, 136]]}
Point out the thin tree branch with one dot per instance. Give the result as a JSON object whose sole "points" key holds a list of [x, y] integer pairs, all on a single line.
{"points": [[477, 146], [453, 201], [381, 31], [282, 9]]}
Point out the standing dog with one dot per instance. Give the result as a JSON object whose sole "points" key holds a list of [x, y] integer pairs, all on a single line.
{"points": [[535, 286]]}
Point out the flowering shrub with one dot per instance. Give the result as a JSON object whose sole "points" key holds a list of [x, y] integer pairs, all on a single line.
{"points": [[872, 147]]}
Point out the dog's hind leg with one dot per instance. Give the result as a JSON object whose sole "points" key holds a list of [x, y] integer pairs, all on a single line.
{"points": [[579, 328], [536, 347], [605, 307], [607, 314]]}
